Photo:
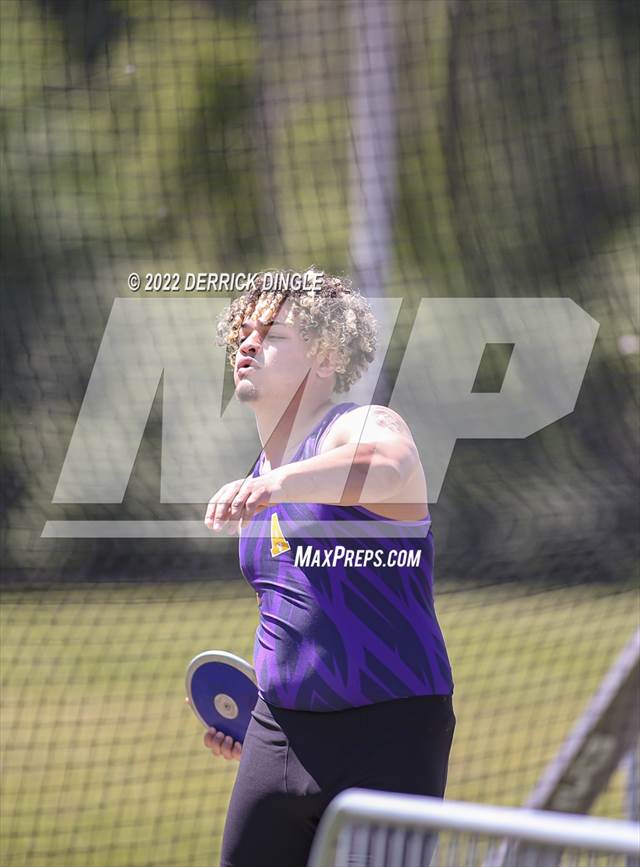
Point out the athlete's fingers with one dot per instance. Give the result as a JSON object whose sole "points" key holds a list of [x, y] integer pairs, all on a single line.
{"points": [[216, 743], [237, 505], [256, 501], [221, 745], [220, 507], [250, 505], [211, 508], [236, 494], [226, 747], [212, 741], [238, 509], [234, 526], [208, 737], [235, 520], [219, 495], [219, 504], [229, 503]]}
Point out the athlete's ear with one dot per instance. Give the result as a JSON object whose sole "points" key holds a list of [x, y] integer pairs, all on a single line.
{"points": [[325, 366]]}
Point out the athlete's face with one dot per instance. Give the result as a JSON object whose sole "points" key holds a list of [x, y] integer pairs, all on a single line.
{"points": [[272, 360]]}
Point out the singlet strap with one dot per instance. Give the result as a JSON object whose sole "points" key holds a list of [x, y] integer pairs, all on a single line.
{"points": [[315, 435], [327, 422]]}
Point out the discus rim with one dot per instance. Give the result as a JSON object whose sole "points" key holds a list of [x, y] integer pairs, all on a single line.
{"points": [[217, 656]]}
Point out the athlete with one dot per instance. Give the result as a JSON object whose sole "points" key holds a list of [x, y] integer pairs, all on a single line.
{"points": [[354, 682]]}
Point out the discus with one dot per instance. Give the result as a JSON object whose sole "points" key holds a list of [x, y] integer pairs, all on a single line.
{"points": [[222, 691]]}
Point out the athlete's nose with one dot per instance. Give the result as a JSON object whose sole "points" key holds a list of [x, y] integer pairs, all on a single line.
{"points": [[250, 343], [248, 349]]}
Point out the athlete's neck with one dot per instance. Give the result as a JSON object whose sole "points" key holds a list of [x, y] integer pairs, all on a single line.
{"points": [[282, 428]]}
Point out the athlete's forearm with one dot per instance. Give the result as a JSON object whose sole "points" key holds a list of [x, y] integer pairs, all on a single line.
{"points": [[339, 475]]}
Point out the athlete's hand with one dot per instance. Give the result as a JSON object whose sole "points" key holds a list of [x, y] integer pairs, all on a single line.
{"points": [[221, 745], [240, 500]]}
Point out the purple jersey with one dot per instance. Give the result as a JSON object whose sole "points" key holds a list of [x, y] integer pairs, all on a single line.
{"points": [[345, 621]]}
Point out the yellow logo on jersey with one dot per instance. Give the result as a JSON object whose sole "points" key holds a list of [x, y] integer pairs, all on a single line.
{"points": [[278, 543]]}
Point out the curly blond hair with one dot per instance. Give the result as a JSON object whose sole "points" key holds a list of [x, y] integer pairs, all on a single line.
{"points": [[335, 318]]}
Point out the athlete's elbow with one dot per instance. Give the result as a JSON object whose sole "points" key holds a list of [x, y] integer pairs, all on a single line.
{"points": [[394, 462], [377, 472]]}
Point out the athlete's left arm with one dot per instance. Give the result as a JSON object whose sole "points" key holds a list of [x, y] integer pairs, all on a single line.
{"points": [[368, 456]]}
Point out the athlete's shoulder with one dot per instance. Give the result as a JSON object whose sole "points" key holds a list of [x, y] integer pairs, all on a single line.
{"points": [[366, 423]]}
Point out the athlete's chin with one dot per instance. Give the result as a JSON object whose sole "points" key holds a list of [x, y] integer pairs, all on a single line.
{"points": [[246, 391]]}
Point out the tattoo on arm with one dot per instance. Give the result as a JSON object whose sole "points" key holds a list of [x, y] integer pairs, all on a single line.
{"points": [[388, 419]]}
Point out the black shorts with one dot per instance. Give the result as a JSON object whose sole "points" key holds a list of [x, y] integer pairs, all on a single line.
{"points": [[295, 762]]}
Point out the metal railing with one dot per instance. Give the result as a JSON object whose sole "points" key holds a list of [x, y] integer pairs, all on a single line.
{"points": [[364, 828]]}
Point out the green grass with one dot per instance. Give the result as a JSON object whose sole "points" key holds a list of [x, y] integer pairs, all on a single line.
{"points": [[103, 763]]}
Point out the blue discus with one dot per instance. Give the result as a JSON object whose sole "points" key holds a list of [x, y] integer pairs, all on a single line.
{"points": [[222, 691]]}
